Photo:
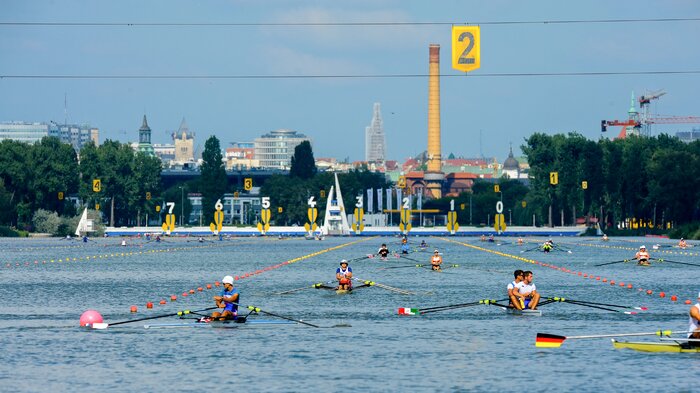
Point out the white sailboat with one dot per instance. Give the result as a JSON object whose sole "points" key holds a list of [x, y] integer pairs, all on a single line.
{"points": [[84, 225]]}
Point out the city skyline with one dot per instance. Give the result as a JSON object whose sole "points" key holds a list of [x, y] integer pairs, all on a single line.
{"points": [[297, 66]]}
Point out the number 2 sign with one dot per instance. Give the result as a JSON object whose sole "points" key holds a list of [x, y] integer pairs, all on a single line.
{"points": [[466, 48]]}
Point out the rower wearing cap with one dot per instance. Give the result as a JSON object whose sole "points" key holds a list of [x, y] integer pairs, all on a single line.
{"points": [[682, 243], [694, 328], [228, 300], [423, 244], [605, 237], [436, 261], [642, 256], [344, 276]]}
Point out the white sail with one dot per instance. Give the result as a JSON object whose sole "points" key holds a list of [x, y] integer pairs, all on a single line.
{"points": [[82, 224]]}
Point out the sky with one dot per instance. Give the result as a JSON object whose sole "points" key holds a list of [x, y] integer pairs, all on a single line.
{"points": [[263, 74]]}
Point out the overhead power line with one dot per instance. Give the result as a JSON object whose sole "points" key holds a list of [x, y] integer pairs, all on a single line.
{"points": [[340, 24], [356, 76]]}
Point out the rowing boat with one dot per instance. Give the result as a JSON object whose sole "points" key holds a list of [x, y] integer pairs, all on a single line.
{"points": [[515, 311], [219, 324], [654, 346]]}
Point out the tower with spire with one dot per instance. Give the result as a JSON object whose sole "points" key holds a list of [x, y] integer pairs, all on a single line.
{"points": [[375, 142], [632, 114], [145, 145]]}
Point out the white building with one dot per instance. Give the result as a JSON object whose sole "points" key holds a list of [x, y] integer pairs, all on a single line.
{"points": [[375, 141], [275, 149]]}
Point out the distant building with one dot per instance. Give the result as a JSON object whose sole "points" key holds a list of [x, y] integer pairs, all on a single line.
{"points": [[145, 139], [375, 141], [184, 144], [689, 136], [73, 134], [241, 157], [275, 149], [166, 153], [23, 132]]}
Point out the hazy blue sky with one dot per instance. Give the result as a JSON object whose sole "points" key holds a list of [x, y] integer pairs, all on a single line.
{"points": [[335, 111]]}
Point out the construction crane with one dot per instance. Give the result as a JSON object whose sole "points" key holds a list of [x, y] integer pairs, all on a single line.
{"points": [[641, 125]]}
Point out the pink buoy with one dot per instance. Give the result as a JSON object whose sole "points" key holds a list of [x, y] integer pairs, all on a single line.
{"points": [[89, 317]]}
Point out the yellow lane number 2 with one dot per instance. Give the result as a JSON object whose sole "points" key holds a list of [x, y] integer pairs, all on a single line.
{"points": [[466, 48]]}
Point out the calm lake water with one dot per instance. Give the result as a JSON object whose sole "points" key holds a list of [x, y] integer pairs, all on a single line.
{"points": [[478, 348]]}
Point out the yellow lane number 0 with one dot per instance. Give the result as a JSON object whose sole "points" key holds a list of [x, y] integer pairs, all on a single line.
{"points": [[466, 48]]}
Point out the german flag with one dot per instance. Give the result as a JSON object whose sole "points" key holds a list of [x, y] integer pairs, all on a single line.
{"points": [[545, 340]]}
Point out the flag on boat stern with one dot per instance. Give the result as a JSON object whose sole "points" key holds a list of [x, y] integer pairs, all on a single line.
{"points": [[408, 311], [545, 340]]}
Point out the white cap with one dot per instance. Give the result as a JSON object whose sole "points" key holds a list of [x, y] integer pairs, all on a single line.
{"points": [[227, 280], [640, 247], [436, 250]]}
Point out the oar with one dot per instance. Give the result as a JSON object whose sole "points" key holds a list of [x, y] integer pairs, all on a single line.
{"points": [[593, 306], [427, 310], [605, 304], [545, 340], [300, 289], [388, 288], [409, 258], [613, 262], [679, 263], [531, 249], [401, 267], [179, 313], [258, 310]]}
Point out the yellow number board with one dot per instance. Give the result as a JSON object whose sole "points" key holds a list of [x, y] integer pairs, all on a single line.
{"points": [[466, 48]]}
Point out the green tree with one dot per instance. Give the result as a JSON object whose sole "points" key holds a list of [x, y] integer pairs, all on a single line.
{"points": [[303, 163], [147, 175], [16, 173], [55, 165], [213, 180]]}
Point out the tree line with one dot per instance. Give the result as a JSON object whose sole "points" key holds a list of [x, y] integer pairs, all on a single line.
{"points": [[48, 176]]}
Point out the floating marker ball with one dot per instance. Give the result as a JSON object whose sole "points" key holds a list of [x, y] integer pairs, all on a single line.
{"points": [[662, 294], [134, 309], [149, 305], [89, 317]]}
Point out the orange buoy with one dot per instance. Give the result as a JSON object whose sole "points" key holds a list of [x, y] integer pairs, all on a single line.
{"points": [[134, 309], [173, 298], [149, 305], [191, 291], [674, 298], [629, 286], [662, 294], [208, 286], [687, 301], [162, 301], [649, 292], [200, 289]]}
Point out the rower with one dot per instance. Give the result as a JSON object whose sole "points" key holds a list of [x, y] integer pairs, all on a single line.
{"points": [[200, 239], [123, 242], [682, 243], [228, 300], [405, 249], [516, 299], [694, 328], [520, 241], [547, 246], [85, 239], [157, 238], [491, 239], [642, 256], [605, 237], [529, 291], [344, 276], [483, 238], [436, 261], [423, 244], [383, 251]]}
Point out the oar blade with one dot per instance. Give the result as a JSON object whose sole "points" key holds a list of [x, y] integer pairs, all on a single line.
{"points": [[408, 311], [545, 340], [98, 326]]}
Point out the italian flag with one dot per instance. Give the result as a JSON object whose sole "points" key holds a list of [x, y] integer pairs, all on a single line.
{"points": [[408, 311]]}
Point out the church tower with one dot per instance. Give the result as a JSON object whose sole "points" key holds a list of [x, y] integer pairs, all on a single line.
{"points": [[145, 139]]}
